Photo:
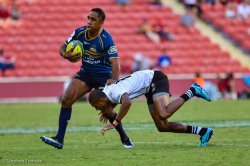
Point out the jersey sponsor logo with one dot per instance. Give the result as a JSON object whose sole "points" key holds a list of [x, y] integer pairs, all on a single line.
{"points": [[70, 37], [112, 50], [91, 60], [92, 49], [86, 42]]}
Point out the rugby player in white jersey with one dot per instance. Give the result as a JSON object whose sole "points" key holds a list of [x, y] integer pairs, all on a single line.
{"points": [[155, 86]]}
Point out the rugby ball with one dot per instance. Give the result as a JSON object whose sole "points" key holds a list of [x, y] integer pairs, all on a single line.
{"points": [[75, 47]]}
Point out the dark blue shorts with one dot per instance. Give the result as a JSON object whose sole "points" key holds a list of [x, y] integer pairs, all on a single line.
{"points": [[4, 66], [93, 80]]}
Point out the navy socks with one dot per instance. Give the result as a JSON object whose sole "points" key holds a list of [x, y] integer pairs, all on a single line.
{"points": [[119, 128], [64, 118]]}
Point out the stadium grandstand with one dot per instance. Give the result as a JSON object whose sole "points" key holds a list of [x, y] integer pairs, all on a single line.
{"points": [[214, 46]]}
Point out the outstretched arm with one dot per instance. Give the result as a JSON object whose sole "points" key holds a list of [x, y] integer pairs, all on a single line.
{"points": [[124, 108], [125, 105]]}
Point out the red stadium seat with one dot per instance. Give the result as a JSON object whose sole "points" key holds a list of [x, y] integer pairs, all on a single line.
{"points": [[45, 28]]}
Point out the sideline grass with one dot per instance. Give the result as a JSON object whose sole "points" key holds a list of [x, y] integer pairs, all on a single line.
{"points": [[229, 146]]}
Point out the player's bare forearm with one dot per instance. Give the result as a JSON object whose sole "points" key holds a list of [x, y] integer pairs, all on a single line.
{"points": [[124, 108], [115, 68], [125, 105]]}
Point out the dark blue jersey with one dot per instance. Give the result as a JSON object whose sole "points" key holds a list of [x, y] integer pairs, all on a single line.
{"points": [[97, 51]]}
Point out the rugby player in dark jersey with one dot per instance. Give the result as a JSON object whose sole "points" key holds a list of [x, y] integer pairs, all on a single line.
{"points": [[100, 66]]}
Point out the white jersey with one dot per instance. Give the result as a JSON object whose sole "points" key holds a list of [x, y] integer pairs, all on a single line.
{"points": [[135, 85]]}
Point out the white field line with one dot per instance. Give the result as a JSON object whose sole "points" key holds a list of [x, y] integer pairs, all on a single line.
{"points": [[221, 124], [139, 143], [191, 144]]}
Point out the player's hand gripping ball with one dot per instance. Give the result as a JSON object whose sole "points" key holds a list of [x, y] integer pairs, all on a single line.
{"points": [[74, 51]]}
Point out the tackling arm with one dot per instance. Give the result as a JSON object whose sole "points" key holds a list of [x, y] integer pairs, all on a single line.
{"points": [[115, 70], [124, 108]]}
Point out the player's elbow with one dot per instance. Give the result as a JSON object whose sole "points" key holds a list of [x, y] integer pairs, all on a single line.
{"points": [[128, 102], [125, 100]]}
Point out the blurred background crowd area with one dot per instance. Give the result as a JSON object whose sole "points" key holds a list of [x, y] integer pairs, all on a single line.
{"points": [[182, 38]]}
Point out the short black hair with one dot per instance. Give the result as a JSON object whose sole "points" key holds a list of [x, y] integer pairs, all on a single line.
{"points": [[100, 13], [95, 95]]}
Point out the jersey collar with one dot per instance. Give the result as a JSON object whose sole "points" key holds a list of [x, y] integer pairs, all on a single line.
{"points": [[100, 31]]}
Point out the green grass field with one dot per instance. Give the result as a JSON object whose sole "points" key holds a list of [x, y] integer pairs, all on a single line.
{"points": [[22, 125]]}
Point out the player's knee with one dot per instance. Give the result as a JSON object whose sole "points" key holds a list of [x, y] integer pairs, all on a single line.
{"points": [[66, 101], [165, 115], [162, 129], [162, 125]]}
